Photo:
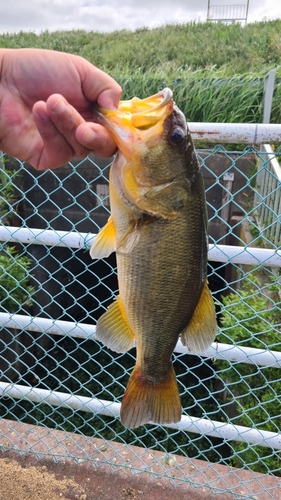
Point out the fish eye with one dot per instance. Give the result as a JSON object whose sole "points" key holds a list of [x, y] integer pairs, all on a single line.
{"points": [[177, 136]]}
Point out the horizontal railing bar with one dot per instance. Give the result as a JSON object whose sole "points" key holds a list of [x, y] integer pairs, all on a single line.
{"points": [[261, 357], [102, 407], [217, 253], [244, 255], [46, 325], [47, 237], [236, 133]]}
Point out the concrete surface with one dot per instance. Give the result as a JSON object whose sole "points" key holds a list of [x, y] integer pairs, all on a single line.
{"points": [[106, 470]]}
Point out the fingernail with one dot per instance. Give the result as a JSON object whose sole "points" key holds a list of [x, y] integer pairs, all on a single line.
{"points": [[109, 99]]}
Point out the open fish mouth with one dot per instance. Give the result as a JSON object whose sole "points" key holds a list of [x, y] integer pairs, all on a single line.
{"points": [[144, 113], [136, 114]]}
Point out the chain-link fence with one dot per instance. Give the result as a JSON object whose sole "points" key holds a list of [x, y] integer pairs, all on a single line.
{"points": [[55, 375]]}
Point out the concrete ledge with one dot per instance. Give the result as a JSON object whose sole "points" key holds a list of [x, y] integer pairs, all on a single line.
{"points": [[103, 470]]}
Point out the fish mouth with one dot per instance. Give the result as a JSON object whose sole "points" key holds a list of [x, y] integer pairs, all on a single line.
{"points": [[144, 113], [136, 120]]}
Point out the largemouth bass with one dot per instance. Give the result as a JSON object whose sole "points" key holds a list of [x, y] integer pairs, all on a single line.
{"points": [[158, 229]]}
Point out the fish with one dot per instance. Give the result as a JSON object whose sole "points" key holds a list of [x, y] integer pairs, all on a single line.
{"points": [[158, 229]]}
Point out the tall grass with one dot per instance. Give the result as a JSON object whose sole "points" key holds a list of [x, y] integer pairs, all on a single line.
{"points": [[194, 45], [205, 95], [216, 71]]}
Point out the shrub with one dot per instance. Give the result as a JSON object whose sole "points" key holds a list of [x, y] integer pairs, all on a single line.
{"points": [[15, 292], [251, 317]]}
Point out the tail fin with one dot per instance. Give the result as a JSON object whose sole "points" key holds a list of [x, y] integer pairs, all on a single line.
{"points": [[145, 400]]}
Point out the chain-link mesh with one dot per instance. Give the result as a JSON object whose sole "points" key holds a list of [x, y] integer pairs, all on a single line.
{"points": [[55, 375]]}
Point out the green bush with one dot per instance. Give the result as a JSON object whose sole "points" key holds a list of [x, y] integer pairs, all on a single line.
{"points": [[15, 291], [7, 191], [251, 317]]}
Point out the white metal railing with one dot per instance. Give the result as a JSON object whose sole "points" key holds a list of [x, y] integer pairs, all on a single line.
{"points": [[217, 253], [216, 133], [103, 407], [267, 199], [238, 133], [221, 253], [85, 331], [224, 13]]}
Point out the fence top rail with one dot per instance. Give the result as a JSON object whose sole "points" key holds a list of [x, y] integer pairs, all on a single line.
{"points": [[236, 133]]}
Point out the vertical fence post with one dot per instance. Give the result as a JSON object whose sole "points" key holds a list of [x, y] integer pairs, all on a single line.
{"points": [[268, 90], [2, 168], [228, 180]]}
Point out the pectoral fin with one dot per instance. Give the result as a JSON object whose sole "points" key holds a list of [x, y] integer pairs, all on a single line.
{"points": [[105, 242], [165, 200], [130, 239], [201, 330], [112, 329]]}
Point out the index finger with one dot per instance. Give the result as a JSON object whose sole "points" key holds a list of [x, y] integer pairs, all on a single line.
{"points": [[99, 87]]}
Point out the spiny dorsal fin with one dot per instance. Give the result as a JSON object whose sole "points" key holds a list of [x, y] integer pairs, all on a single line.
{"points": [[105, 241], [112, 329], [202, 328]]}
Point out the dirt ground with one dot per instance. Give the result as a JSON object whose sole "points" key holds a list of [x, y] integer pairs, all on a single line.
{"points": [[35, 483], [29, 482]]}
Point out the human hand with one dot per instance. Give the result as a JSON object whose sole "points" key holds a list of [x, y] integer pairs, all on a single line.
{"points": [[45, 99]]}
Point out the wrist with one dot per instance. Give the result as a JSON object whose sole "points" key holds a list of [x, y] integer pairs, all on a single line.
{"points": [[2, 54], [5, 102]]}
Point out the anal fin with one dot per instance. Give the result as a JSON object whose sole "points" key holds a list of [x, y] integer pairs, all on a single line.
{"points": [[146, 400], [112, 329], [201, 330]]}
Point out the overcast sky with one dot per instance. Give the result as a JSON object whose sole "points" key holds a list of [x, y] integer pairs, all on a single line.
{"points": [[110, 15]]}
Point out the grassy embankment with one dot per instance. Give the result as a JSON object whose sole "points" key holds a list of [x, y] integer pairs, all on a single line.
{"points": [[193, 59]]}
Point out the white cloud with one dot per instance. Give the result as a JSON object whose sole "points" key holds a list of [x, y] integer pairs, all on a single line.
{"points": [[98, 15]]}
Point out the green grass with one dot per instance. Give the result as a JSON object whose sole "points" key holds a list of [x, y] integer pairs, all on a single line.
{"points": [[188, 46], [216, 71], [204, 95]]}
